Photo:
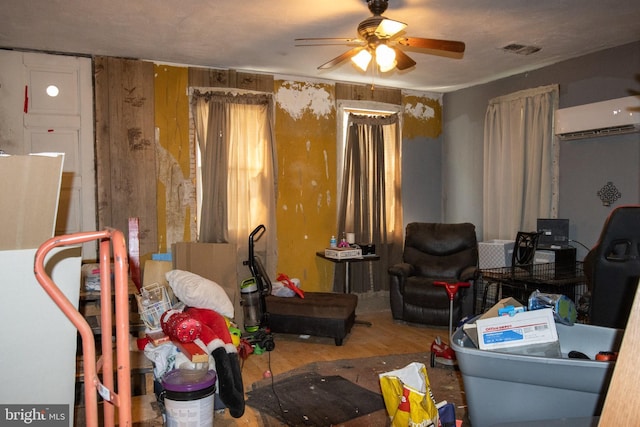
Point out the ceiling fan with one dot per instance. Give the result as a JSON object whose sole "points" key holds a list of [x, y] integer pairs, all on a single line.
{"points": [[383, 39]]}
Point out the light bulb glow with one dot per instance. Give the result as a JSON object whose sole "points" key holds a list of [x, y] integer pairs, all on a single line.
{"points": [[389, 28], [362, 59], [388, 67], [385, 57]]}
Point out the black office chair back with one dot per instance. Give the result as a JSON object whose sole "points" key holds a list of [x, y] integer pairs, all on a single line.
{"points": [[616, 268]]}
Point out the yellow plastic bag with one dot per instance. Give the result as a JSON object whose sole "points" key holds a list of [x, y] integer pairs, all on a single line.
{"points": [[407, 396]]}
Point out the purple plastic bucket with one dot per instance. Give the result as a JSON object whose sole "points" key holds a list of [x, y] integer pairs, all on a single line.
{"points": [[188, 402]]}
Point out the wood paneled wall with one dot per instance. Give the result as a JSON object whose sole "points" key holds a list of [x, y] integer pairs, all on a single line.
{"points": [[368, 93], [125, 147], [208, 77], [134, 142]]}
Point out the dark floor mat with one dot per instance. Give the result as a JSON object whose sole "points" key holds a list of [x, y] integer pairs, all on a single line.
{"points": [[310, 399]]}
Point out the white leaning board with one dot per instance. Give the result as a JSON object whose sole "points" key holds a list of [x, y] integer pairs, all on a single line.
{"points": [[38, 357]]}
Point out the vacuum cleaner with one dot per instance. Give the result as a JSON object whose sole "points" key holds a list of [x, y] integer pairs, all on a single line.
{"points": [[253, 292]]}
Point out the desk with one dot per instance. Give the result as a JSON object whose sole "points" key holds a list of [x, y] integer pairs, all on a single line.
{"points": [[347, 262], [548, 278]]}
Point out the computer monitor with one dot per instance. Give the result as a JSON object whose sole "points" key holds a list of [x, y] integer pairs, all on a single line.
{"points": [[553, 232]]}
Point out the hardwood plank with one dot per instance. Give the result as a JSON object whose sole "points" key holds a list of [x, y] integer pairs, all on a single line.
{"points": [[145, 411], [384, 337], [207, 77], [367, 93], [622, 404], [252, 81], [102, 150], [125, 151]]}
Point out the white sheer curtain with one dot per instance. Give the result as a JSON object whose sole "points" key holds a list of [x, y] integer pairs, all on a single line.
{"points": [[520, 162], [235, 137]]}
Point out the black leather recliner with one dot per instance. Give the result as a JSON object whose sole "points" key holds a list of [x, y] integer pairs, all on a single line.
{"points": [[434, 252], [612, 268]]}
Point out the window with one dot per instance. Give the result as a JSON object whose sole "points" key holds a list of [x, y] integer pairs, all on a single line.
{"points": [[369, 186], [237, 170]]}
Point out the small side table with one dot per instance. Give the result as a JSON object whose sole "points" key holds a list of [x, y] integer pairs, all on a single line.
{"points": [[347, 274], [347, 262]]}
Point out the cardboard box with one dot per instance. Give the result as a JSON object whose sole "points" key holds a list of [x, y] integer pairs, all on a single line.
{"points": [[521, 329], [495, 253], [470, 328], [29, 202], [155, 272], [343, 253], [213, 261]]}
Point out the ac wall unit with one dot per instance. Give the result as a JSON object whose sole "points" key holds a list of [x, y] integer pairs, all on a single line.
{"points": [[612, 117]]}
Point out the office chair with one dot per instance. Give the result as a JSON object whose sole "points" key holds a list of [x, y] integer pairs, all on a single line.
{"points": [[613, 266]]}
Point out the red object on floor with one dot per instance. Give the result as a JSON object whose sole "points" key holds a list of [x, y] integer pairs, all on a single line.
{"points": [[245, 349], [440, 351]]}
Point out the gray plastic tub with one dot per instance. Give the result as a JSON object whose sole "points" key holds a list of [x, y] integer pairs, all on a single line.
{"points": [[502, 387]]}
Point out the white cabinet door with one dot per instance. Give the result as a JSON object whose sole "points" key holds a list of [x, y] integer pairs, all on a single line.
{"points": [[46, 105]]}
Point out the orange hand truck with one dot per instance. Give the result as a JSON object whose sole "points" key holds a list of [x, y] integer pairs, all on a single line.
{"points": [[93, 385]]}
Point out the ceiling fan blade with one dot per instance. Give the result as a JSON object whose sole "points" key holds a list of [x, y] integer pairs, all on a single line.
{"points": [[403, 60], [325, 41], [389, 28], [338, 59], [456, 48]]}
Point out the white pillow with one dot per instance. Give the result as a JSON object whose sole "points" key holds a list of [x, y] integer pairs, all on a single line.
{"points": [[196, 291]]}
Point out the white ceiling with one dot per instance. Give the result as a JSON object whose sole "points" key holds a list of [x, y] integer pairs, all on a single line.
{"points": [[259, 36]]}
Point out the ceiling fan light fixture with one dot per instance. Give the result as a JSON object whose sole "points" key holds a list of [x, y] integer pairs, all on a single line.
{"points": [[382, 37], [385, 57], [389, 28], [362, 59]]}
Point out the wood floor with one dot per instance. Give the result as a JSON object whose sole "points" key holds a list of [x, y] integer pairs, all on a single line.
{"points": [[384, 336]]}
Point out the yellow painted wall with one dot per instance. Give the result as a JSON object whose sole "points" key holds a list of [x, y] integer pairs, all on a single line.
{"points": [[422, 117], [306, 134], [174, 155], [306, 205]]}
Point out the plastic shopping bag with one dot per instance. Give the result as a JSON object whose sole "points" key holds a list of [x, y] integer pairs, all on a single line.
{"points": [[447, 414], [564, 310], [286, 287], [407, 396]]}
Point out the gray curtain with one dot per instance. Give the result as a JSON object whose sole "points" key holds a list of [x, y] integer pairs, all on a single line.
{"points": [[370, 203], [237, 146], [211, 121]]}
